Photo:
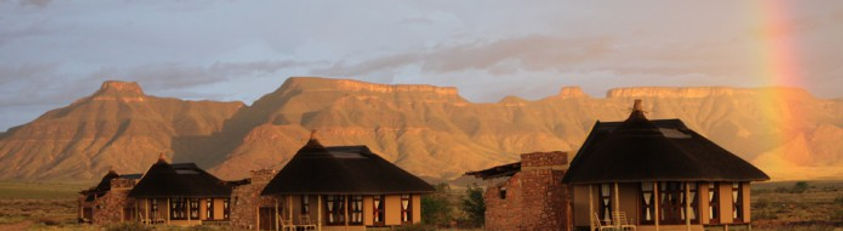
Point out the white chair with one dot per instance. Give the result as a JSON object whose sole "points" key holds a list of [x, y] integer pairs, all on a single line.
{"points": [[306, 223], [599, 225], [621, 222]]}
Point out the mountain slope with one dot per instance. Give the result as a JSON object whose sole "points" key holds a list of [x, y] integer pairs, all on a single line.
{"points": [[428, 130], [118, 126]]}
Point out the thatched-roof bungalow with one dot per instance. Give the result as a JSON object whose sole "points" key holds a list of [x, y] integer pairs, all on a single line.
{"points": [[180, 194], [342, 188], [661, 174]]}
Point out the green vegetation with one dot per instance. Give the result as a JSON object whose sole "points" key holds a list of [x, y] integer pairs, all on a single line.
{"points": [[18, 190], [437, 207], [819, 205], [474, 206]]}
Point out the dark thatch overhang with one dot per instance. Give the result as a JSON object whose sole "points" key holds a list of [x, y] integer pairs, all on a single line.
{"points": [[105, 185], [179, 180], [639, 150], [506, 170], [342, 170]]}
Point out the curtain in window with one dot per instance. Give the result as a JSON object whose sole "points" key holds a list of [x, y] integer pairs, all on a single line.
{"points": [[713, 203], [226, 208], [606, 202], [406, 214], [356, 210], [737, 199], [305, 205], [378, 204], [692, 193], [647, 207], [209, 209], [194, 209]]}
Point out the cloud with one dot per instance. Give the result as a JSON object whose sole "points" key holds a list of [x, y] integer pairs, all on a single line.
{"points": [[532, 53], [175, 76]]}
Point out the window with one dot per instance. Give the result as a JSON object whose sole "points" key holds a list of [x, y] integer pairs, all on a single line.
{"points": [[713, 203], [647, 203], [406, 209], [737, 202], [379, 209], [334, 209], [154, 208], [692, 194], [226, 208], [605, 203], [355, 210], [502, 192], [194, 209], [305, 204], [209, 209], [178, 209], [671, 203]]}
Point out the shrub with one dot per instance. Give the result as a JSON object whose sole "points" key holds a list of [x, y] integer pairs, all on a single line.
{"points": [[415, 227], [128, 227], [437, 210], [474, 206], [799, 187]]}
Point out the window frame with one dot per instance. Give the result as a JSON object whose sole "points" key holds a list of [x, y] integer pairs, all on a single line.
{"points": [[178, 208], [335, 210], [355, 210], [737, 202], [604, 196], [304, 202], [694, 190], [647, 207], [714, 203], [406, 209], [193, 206], [671, 203], [226, 208], [209, 209], [379, 210]]}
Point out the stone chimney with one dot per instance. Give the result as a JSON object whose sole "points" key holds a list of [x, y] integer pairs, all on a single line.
{"points": [[637, 105], [262, 176], [556, 160]]}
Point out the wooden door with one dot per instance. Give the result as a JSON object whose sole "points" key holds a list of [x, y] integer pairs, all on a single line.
{"points": [[266, 218]]}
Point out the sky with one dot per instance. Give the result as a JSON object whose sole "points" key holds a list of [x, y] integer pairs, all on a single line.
{"points": [[54, 52]]}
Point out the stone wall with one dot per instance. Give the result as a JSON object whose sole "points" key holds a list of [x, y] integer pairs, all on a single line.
{"points": [[245, 200], [535, 197], [110, 208]]}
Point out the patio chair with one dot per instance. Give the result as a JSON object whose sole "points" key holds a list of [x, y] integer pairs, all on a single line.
{"points": [[621, 221], [306, 223], [599, 224], [287, 224]]}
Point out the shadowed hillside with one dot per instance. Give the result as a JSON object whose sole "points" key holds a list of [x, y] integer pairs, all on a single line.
{"points": [[430, 131]]}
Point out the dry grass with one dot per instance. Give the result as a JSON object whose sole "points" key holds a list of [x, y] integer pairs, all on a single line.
{"points": [[782, 206], [26, 206]]}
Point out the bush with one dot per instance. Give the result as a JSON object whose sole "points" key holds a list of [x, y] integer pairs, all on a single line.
{"points": [[415, 227], [799, 187], [474, 206], [437, 210], [128, 227]]}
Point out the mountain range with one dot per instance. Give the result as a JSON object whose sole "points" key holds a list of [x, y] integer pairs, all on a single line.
{"points": [[428, 130]]}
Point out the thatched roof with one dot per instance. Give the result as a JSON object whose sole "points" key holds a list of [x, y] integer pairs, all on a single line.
{"points": [[639, 150], [316, 169], [179, 180], [105, 185], [505, 170]]}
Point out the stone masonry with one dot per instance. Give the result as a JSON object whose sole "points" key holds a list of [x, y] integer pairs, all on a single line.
{"points": [[535, 198], [245, 200]]}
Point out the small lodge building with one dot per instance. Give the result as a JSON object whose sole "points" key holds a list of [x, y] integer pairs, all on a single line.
{"points": [[180, 194], [107, 202], [658, 175], [527, 195], [340, 188]]}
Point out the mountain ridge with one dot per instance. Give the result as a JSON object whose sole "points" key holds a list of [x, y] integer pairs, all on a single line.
{"points": [[431, 131]]}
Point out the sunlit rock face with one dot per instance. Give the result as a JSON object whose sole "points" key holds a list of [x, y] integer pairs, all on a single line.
{"points": [[428, 130]]}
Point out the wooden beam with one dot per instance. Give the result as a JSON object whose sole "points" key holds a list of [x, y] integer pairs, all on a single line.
{"points": [[319, 213], [276, 216], [590, 208], [656, 204], [688, 206], [290, 206], [168, 210], [617, 201]]}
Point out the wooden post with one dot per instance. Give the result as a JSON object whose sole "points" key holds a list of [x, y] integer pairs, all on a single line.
{"points": [[276, 216], [290, 206], [590, 209], [319, 213], [168, 210], [688, 206], [187, 209], [146, 210], [656, 205], [617, 202], [345, 211]]}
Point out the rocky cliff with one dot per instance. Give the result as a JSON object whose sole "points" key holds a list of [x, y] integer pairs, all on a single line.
{"points": [[428, 130]]}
